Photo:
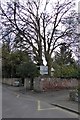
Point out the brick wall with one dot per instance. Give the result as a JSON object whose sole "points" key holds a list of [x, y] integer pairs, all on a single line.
{"points": [[45, 84], [8, 81], [27, 83]]}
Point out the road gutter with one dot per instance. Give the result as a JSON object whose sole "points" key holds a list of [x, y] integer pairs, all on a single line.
{"points": [[66, 108]]}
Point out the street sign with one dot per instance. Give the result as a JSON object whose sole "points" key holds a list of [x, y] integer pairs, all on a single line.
{"points": [[43, 70]]}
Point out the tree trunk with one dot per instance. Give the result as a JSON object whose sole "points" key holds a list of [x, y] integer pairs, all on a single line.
{"points": [[49, 67], [49, 63], [32, 84]]}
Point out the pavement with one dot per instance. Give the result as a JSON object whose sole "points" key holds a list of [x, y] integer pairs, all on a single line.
{"points": [[56, 98], [67, 104]]}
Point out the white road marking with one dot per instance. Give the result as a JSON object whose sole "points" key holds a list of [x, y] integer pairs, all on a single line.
{"points": [[47, 109], [40, 109], [38, 104]]}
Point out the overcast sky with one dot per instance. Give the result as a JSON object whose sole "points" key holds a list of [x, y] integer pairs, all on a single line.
{"points": [[77, 1], [77, 7]]}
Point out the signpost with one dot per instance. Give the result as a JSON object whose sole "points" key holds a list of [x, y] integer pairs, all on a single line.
{"points": [[43, 70]]}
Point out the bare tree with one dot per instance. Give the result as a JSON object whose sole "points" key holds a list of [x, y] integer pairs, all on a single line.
{"points": [[41, 29], [73, 37]]}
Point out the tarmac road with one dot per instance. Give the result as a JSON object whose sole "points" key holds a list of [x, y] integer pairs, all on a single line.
{"points": [[0, 101], [17, 105]]}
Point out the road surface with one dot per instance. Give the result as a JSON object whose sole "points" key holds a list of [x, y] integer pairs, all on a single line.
{"points": [[17, 105]]}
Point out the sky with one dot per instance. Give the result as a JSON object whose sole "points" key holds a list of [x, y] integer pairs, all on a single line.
{"points": [[77, 2], [77, 8]]}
